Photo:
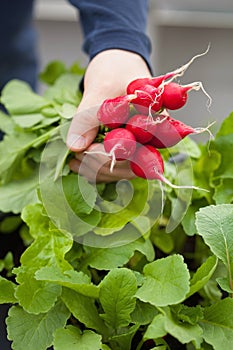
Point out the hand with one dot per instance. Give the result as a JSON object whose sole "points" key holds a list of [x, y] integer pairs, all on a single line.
{"points": [[107, 76]]}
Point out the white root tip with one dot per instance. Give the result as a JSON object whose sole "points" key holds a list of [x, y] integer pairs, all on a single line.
{"points": [[211, 136], [181, 70], [162, 197], [110, 154], [159, 121], [97, 152], [143, 92], [167, 182], [197, 86], [113, 163], [131, 97], [200, 130]]}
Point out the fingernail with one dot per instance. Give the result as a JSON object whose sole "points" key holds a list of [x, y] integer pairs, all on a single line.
{"points": [[76, 141]]}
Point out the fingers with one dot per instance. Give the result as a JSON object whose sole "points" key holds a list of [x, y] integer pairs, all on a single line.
{"points": [[96, 167], [83, 129]]}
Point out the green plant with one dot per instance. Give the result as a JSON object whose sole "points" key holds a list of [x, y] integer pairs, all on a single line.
{"points": [[102, 267]]}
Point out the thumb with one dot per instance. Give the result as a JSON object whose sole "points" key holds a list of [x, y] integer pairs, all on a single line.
{"points": [[83, 129]]}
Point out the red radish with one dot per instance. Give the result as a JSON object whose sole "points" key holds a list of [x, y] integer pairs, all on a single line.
{"points": [[147, 163], [141, 126], [174, 95], [168, 132], [120, 144], [147, 97], [114, 112], [137, 84]]}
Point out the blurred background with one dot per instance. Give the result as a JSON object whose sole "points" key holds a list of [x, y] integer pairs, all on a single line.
{"points": [[179, 29]]}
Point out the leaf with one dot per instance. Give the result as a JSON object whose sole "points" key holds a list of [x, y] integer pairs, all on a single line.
{"points": [[18, 98], [162, 240], [69, 206], [186, 146], [218, 324], [28, 331], [10, 223], [204, 174], [80, 194], [143, 313], [183, 331], [75, 280], [188, 314], [110, 223], [17, 194], [116, 214], [48, 249], [38, 224], [64, 89], [124, 337], [52, 71], [46, 122], [223, 145], [168, 323], [180, 203], [166, 281], [72, 338], [49, 112], [117, 297], [202, 275], [83, 308], [224, 284], [67, 110], [188, 221], [12, 151], [224, 192], [215, 224], [105, 347], [7, 125], [112, 257], [156, 328], [54, 156], [226, 127], [210, 157], [7, 291], [36, 297], [27, 120]]}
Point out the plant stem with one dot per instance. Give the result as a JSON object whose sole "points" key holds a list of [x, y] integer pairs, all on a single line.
{"points": [[139, 346]]}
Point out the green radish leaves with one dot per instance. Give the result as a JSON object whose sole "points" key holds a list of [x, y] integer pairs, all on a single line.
{"points": [[215, 225], [166, 282], [116, 266]]}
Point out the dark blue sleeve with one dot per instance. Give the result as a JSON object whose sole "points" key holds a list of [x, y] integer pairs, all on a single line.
{"points": [[119, 24], [18, 47]]}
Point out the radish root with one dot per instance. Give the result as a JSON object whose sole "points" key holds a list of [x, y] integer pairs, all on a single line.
{"points": [[111, 154], [167, 182], [181, 70]]}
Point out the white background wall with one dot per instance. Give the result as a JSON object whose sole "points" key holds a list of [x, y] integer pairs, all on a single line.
{"points": [[179, 29]]}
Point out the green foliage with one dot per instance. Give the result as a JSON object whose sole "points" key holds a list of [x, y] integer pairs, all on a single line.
{"points": [[166, 281], [109, 266], [35, 331], [72, 338]]}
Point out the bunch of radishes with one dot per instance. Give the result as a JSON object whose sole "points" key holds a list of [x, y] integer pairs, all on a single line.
{"points": [[139, 123]]}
